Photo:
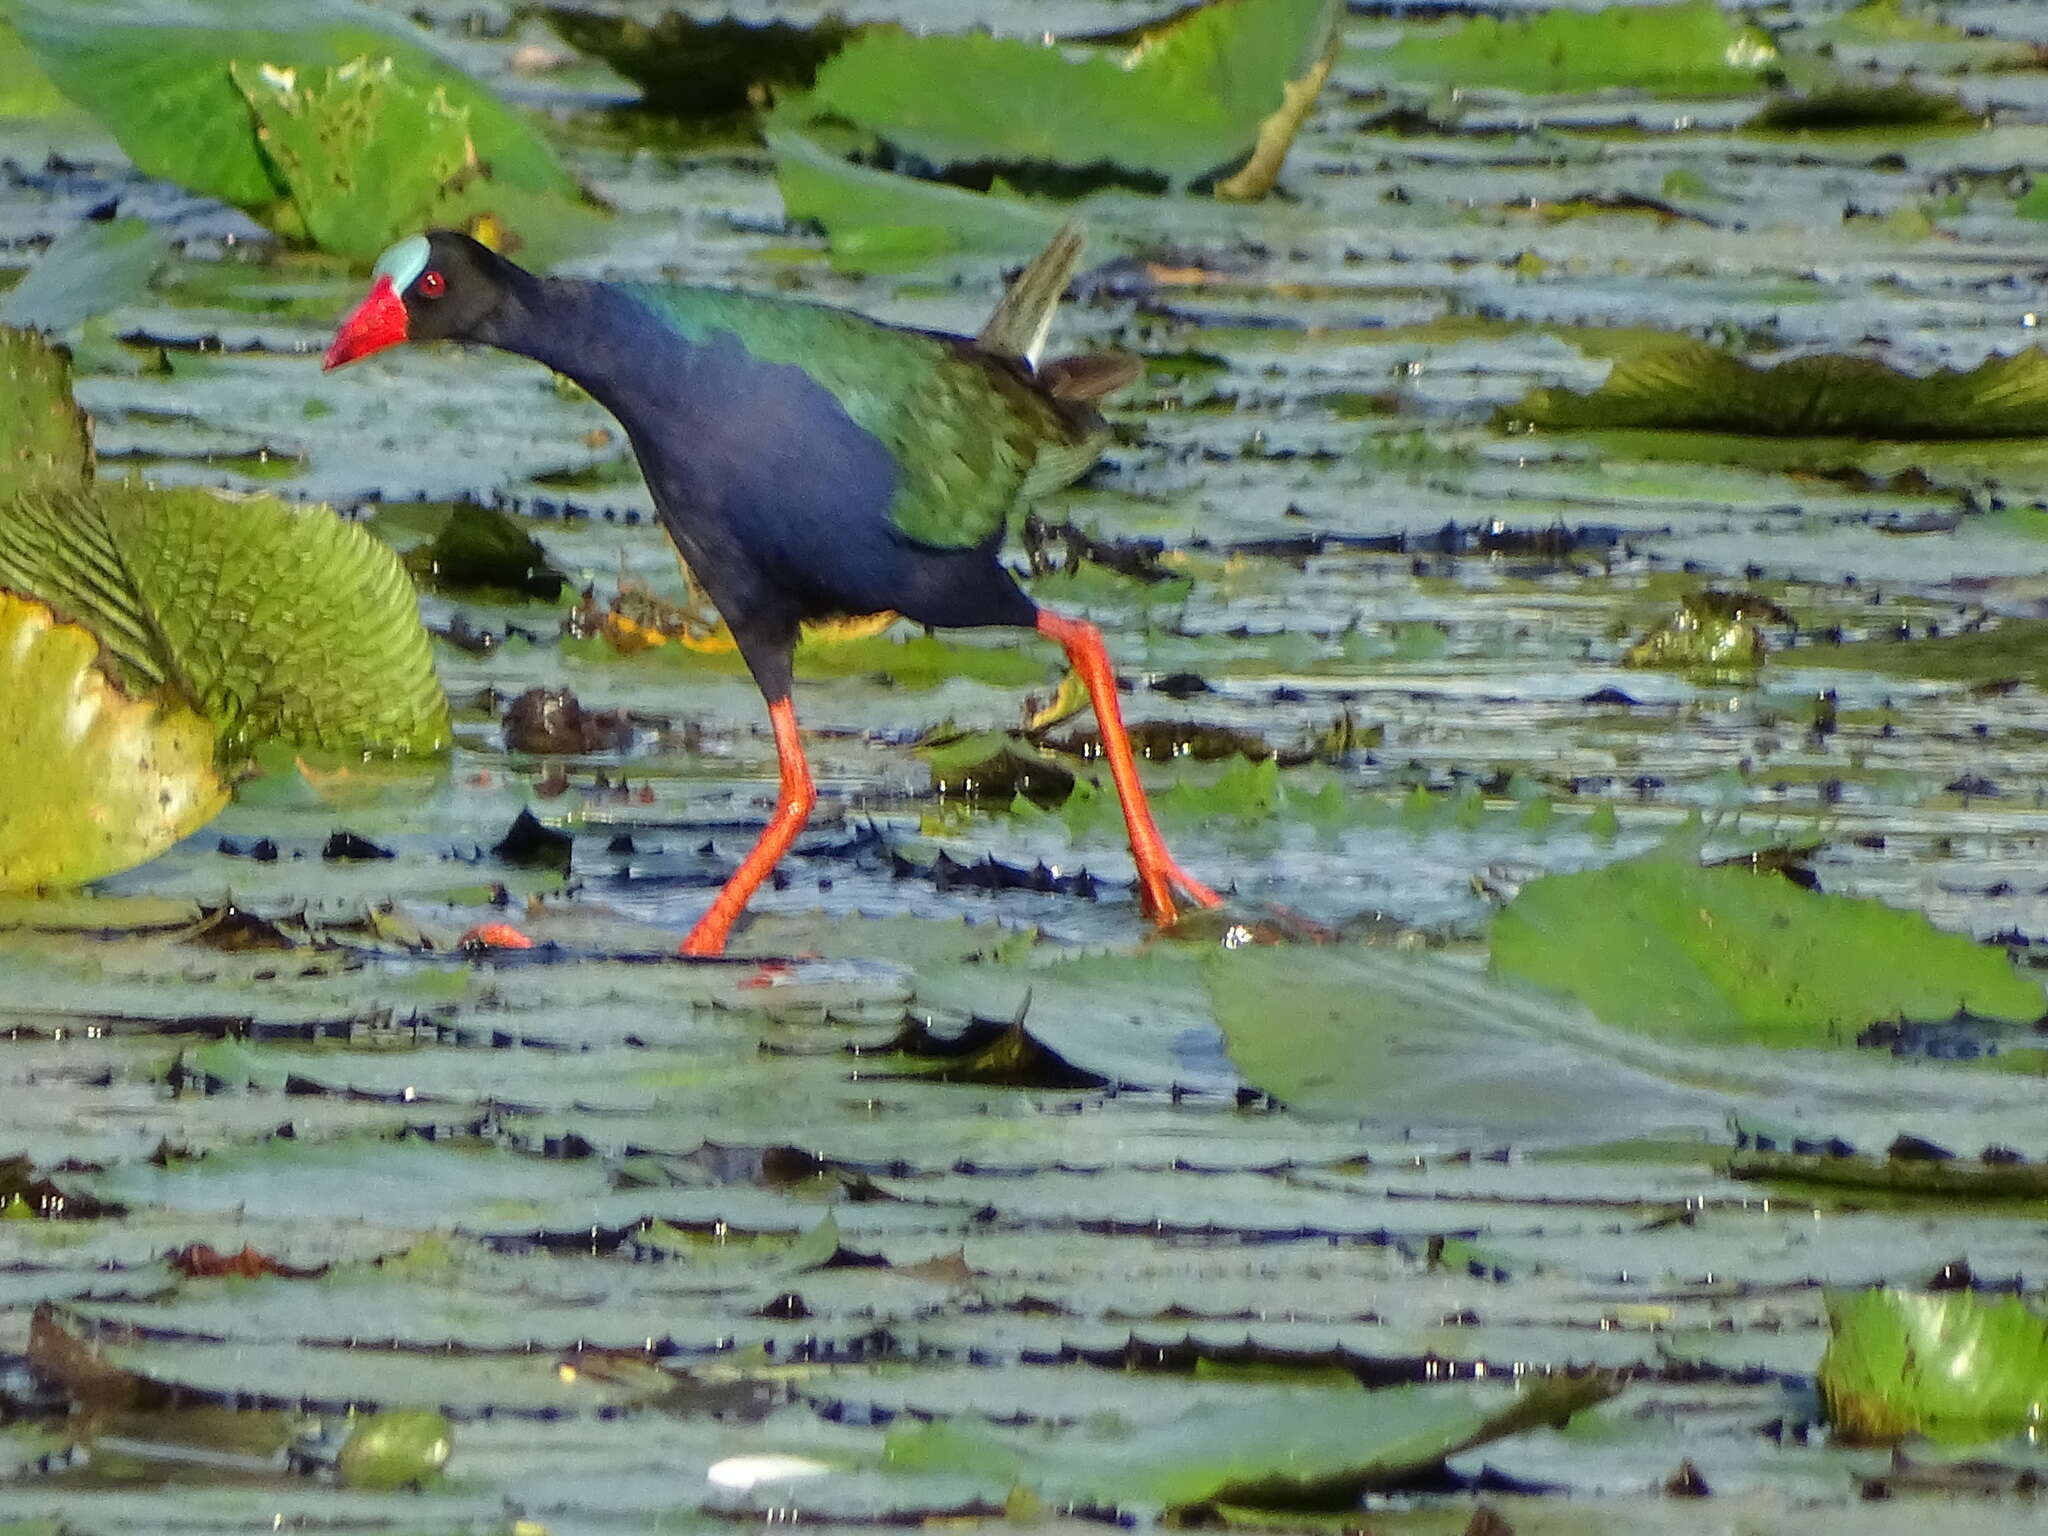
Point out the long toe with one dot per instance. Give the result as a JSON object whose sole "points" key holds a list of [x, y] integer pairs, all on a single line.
{"points": [[1194, 890]]}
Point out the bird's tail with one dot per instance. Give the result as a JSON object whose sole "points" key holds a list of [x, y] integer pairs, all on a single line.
{"points": [[1023, 315]]}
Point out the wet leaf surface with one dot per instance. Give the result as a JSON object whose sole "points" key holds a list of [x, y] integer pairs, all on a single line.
{"points": [[63, 724], [1952, 1364]]}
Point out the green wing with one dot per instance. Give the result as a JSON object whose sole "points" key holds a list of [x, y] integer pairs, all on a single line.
{"points": [[974, 438]]}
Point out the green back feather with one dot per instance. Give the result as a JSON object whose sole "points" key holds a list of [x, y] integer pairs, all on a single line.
{"points": [[974, 439]]}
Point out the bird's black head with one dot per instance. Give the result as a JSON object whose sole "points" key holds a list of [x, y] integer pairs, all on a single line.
{"points": [[439, 286]]}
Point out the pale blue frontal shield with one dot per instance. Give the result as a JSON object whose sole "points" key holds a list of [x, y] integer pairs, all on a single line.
{"points": [[403, 262]]}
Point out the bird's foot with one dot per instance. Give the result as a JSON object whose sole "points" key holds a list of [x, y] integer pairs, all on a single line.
{"points": [[1156, 885], [493, 936], [706, 940]]}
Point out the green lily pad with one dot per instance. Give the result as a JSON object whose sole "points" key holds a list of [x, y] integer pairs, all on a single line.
{"points": [[1692, 49], [395, 1449], [85, 272], [1718, 633], [44, 445], [25, 91], [1267, 1446], [1951, 1364], [364, 152], [169, 85], [272, 623], [1849, 108], [1188, 100], [1695, 387], [2014, 648], [878, 222], [63, 724], [1666, 947], [481, 549]]}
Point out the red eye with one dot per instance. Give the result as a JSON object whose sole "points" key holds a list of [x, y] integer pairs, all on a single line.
{"points": [[432, 285]]}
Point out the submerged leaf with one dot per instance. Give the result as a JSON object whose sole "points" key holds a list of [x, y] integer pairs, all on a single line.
{"points": [[63, 725], [273, 623], [1699, 388], [1952, 1364], [1720, 955]]}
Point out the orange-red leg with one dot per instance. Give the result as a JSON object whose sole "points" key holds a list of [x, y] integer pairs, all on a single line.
{"points": [[1157, 873], [792, 810]]}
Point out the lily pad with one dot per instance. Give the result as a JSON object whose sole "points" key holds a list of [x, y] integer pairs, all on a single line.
{"points": [[1699, 388], [272, 623], [1717, 633], [1849, 108], [1666, 947], [44, 445], [395, 1449], [85, 272], [2015, 648], [1951, 1364], [169, 85], [702, 66], [878, 222], [365, 153], [480, 548], [1692, 49], [64, 724], [1186, 101], [1274, 1446]]}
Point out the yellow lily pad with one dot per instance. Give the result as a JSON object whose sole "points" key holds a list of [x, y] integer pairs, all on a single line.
{"points": [[97, 781]]}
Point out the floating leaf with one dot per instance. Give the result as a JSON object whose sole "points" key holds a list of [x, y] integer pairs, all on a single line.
{"points": [[363, 152], [85, 272], [1263, 1446], [997, 766], [2014, 648], [273, 623], [1692, 49], [1713, 632], [1849, 108], [1952, 1179], [64, 725], [701, 67], [878, 222], [395, 1449], [1418, 1039], [480, 548], [1951, 1364], [1718, 955], [25, 91], [1189, 99], [1695, 387], [165, 84], [44, 445]]}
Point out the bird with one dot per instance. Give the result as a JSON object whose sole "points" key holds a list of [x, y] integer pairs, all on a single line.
{"points": [[810, 462]]}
